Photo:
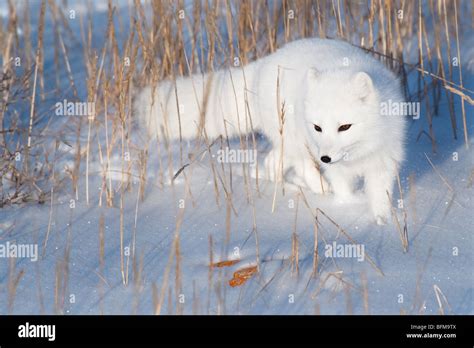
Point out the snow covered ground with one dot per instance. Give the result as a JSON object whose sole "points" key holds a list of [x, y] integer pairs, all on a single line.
{"points": [[166, 242]]}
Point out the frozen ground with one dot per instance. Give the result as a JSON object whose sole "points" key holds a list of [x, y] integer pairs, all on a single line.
{"points": [[74, 276]]}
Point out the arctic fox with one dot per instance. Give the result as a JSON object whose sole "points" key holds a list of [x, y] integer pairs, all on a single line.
{"points": [[324, 95]]}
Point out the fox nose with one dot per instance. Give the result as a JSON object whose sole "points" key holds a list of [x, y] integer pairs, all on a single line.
{"points": [[326, 159]]}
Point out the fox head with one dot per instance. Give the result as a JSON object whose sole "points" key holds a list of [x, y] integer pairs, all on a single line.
{"points": [[340, 108]]}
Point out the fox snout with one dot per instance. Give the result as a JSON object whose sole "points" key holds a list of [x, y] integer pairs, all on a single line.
{"points": [[331, 157], [328, 153]]}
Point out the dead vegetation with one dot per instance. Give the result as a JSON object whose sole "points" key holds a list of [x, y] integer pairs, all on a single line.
{"points": [[146, 43]]}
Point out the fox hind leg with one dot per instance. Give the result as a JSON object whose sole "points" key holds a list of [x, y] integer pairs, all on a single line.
{"points": [[275, 168]]}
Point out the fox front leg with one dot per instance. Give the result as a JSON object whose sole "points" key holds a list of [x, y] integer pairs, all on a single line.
{"points": [[313, 178], [379, 186], [342, 184]]}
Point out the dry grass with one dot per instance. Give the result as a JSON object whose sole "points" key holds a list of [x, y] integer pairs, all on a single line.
{"points": [[152, 50], [163, 40]]}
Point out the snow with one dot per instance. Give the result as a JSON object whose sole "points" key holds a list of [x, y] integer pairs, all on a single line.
{"points": [[73, 276]]}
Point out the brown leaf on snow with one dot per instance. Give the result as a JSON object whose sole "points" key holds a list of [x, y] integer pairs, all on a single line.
{"points": [[242, 275], [226, 263]]}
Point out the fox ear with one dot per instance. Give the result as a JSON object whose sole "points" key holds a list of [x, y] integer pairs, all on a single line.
{"points": [[313, 74], [363, 86]]}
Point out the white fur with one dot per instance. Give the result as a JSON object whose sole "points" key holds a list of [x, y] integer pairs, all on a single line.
{"points": [[324, 82]]}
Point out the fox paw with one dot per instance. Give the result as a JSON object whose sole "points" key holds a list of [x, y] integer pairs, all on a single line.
{"points": [[349, 198], [381, 214], [381, 220]]}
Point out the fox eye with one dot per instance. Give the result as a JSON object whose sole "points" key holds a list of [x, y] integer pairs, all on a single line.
{"points": [[317, 128], [344, 127]]}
